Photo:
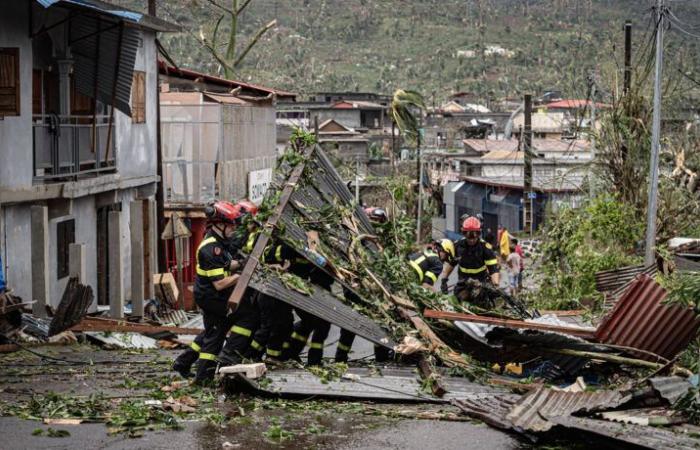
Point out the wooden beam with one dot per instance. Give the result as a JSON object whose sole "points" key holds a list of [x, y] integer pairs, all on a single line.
{"points": [[98, 324], [264, 237], [508, 323]]}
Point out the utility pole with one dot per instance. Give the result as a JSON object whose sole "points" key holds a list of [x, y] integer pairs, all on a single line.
{"points": [[527, 174], [628, 59], [649, 256], [591, 134], [419, 213], [162, 265]]}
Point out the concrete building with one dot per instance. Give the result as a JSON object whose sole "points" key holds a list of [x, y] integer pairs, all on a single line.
{"points": [[218, 142], [488, 179], [78, 130], [343, 142]]}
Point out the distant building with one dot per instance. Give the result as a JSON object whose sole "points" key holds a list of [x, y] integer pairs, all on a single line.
{"points": [[78, 155], [352, 113], [545, 124], [343, 142], [218, 143]]}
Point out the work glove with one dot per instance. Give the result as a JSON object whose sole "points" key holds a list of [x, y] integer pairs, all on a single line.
{"points": [[443, 286]]}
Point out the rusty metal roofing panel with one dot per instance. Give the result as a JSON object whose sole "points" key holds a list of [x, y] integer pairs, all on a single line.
{"points": [[644, 416], [490, 410], [533, 411], [641, 320], [393, 384], [670, 389], [643, 436], [324, 305], [612, 280]]}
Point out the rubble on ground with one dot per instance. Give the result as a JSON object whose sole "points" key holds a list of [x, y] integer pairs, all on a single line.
{"points": [[615, 375]]}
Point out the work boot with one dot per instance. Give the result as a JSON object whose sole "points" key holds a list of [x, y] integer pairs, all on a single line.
{"points": [[382, 354], [205, 372], [341, 356], [315, 355], [183, 363], [228, 359]]}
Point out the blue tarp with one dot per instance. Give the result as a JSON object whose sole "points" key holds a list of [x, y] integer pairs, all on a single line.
{"points": [[98, 6], [2, 276]]}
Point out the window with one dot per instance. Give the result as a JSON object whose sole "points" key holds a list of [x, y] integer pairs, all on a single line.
{"points": [[9, 81], [138, 97], [65, 233]]}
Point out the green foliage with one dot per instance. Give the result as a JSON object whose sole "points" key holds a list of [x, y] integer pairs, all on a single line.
{"points": [[403, 105], [684, 289], [301, 139], [580, 242]]}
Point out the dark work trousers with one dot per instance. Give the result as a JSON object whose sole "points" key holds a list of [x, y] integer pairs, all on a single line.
{"points": [[186, 359], [245, 321], [276, 322], [381, 354], [215, 328], [308, 326]]}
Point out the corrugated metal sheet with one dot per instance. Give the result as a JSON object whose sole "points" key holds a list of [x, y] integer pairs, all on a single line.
{"points": [[643, 436], [394, 384], [641, 320], [533, 411], [100, 47], [490, 410], [608, 281], [670, 389], [644, 416], [686, 264], [324, 305]]}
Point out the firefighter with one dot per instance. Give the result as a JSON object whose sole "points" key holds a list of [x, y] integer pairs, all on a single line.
{"points": [[477, 264], [428, 264], [309, 326], [214, 282], [274, 317]]}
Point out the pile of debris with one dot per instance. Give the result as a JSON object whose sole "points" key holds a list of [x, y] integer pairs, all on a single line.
{"points": [[493, 366]]}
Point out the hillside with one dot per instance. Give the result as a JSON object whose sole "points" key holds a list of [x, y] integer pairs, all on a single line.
{"points": [[379, 45]]}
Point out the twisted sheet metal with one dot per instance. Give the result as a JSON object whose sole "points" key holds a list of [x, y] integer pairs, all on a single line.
{"points": [[394, 384], [323, 304], [491, 410], [535, 409], [670, 389], [640, 435], [641, 320], [608, 281]]}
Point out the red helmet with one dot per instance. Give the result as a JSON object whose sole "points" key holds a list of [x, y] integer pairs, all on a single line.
{"points": [[471, 224], [376, 214], [247, 207], [223, 212]]}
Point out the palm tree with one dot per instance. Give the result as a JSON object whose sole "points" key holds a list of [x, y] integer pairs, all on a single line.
{"points": [[402, 105]]}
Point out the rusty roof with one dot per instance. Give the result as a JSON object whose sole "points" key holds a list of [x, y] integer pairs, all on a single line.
{"points": [[611, 280], [670, 389], [641, 320], [491, 410], [533, 411], [640, 435]]}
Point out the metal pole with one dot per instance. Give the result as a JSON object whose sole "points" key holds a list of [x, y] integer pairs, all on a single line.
{"points": [[357, 181], [628, 58], [420, 202], [527, 159], [591, 134], [649, 256]]}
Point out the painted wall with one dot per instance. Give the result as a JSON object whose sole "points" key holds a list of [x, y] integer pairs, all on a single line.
{"points": [[136, 143], [16, 132], [16, 247]]}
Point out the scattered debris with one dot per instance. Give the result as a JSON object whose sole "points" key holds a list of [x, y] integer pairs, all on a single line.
{"points": [[74, 304], [251, 371], [123, 340]]}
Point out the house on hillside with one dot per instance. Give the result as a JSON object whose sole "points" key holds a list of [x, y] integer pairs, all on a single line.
{"points": [[343, 142], [353, 114], [78, 127], [545, 124]]}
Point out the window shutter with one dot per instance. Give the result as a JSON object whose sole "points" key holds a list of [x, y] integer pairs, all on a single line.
{"points": [[9, 81], [138, 97]]}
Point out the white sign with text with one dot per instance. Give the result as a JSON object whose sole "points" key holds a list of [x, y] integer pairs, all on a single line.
{"points": [[258, 182]]}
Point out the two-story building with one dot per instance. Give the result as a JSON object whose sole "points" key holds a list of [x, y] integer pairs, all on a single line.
{"points": [[78, 150]]}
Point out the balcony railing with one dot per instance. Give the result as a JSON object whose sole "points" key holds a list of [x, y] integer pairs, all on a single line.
{"points": [[66, 147]]}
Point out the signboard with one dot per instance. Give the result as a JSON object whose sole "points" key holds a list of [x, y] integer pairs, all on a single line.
{"points": [[258, 182], [532, 195]]}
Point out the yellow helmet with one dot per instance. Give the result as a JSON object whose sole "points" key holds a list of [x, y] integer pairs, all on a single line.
{"points": [[448, 246]]}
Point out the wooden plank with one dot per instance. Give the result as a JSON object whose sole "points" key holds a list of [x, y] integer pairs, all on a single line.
{"points": [[508, 323], [97, 324], [269, 226]]}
